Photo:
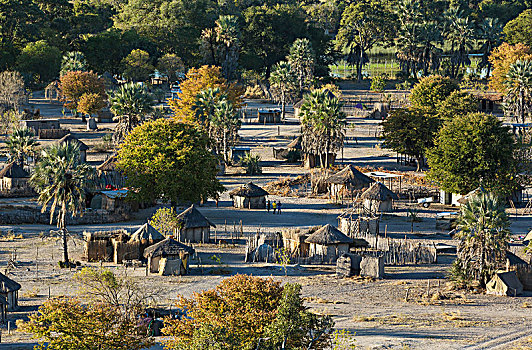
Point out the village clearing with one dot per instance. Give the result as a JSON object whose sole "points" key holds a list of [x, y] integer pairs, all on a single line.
{"points": [[412, 308]]}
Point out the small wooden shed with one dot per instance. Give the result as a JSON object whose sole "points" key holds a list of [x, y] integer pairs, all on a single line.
{"points": [[193, 226], [14, 181], [108, 174], [327, 244], [9, 290], [378, 198], [283, 153], [160, 253], [82, 146], [269, 115], [249, 196], [346, 182]]}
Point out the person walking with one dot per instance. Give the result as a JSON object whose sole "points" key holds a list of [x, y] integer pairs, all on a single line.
{"points": [[268, 205], [279, 207], [274, 206]]}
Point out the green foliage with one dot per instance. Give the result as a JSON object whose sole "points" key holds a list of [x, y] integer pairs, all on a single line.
{"points": [[61, 179], [410, 131], [301, 60], [171, 66], [519, 30], [518, 87], [483, 231], [473, 150], [164, 220], [39, 63], [458, 103], [283, 259], [323, 124], [343, 339], [283, 84], [130, 104], [21, 143], [72, 62], [137, 66], [252, 164], [431, 91], [169, 160], [245, 313], [378, 84]]}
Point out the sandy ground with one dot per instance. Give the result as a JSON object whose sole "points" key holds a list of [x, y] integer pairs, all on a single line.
{"points": [[376, 311]]}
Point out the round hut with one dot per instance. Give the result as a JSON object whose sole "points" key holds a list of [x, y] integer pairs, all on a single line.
{"points": [[249, 196], [328, 243], [144, 237], [193, 226], [82, 146], [347, 181], [168, 257], [378, 198]]}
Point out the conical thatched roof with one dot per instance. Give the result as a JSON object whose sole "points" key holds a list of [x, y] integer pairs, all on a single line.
{"points": [[350, 175], [166, 247], [7, 284], [191, 218], [108, 165], [13, 170], [146, 233], [249, 190], [328, 235], [295, 144], [528, 236], [72, 138], [379, 192]]}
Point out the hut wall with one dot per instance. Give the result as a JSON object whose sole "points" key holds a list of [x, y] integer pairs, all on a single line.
{"points": [[100, 250], [15, 187], [524, 273], [171, 267], [3, 312], [126, 251], [195, 235], [327, 253], [153, 263], [269, 117], [249, 202], [378, 206], [313, 161], [12, 300]]}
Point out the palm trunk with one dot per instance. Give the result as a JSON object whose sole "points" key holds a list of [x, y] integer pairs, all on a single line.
{"points": [[283, 104], [62, 227]]}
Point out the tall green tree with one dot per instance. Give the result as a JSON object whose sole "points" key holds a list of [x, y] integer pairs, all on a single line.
{"points": [[519, 30], [39, 63], [130, 104], [430, 91], [490, 35], [471, 151], [483, 231], [302, 61], [21, 143], [170, 160], [323, 125], [460, 33], [364, 24], [283, 84], [72, 62], [61, 179], [411, 131], [137, 66], [518, 83]]}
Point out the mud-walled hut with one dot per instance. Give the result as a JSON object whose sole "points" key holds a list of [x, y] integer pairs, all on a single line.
{"points": [[82, 146], [143, 237], [99, 246], [168, 257], [378, 198], [327, 244], [346, 182], [192, 226], [9, 291], [249, 196], [109, 176], [14, 181]]}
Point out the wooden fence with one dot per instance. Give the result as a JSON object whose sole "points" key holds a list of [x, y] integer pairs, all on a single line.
{"points": [[403, 252]]}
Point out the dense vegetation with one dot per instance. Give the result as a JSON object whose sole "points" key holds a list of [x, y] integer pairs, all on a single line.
{"points": [[132, 38]]}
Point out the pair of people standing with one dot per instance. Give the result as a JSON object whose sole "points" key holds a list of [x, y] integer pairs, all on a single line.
{"points": [[276, 206]]}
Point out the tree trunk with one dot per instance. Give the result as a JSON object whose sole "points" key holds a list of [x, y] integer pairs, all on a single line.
{"points": [[360, 65], [283, 104], [419, 159], [62, 227]]}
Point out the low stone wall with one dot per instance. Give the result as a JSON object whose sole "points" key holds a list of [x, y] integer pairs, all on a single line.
{"points": [[28, 215]]}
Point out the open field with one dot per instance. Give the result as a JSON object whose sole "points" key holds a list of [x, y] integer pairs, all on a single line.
{"points": [[378, 311]]}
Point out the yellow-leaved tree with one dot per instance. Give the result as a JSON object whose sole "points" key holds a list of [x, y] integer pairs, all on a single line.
{"points": [[502, 58], [198, 80]]}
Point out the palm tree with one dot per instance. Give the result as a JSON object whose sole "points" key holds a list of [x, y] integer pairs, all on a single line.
{"points": [[490, 33], [21, 143], [225, 123], [130, 104], [302, 61], [204, 106], [323, 125], [72, 62], [61, 180], [228, 37], [461, 34], [518, 82], [283, 82], [483, 231]]}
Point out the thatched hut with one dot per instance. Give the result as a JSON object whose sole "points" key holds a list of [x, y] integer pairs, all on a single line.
{"points": [[14, 181], [359, 224], [378, 198], [476, 192], [82, 146], [292, 151], [249, 196], [193, 226], [328, 243], [504, 284], [108, 174], [347, 181], [99, 246], [53, 91], [168, 257], [294, 240], [143, 237], [9, 291]]}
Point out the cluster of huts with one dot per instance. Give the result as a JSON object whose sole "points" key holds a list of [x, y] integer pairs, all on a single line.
{"points": [[166, 255]]}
